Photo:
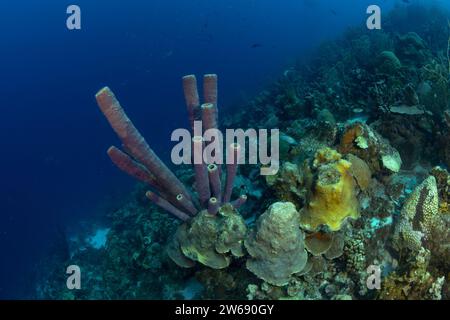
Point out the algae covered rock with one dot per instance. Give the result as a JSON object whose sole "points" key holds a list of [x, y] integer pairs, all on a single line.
{"points": [[412, 49], [287, 184], [276, 246], [388, 63], [362, 141]]}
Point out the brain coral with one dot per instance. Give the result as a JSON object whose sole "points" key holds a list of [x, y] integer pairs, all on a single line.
{"points": [[332, 196], [276, 246]]}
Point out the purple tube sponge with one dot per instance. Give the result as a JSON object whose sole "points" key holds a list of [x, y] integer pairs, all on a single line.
{"points": [[209, 116], [182, 202], [133, 168], [233, 154], [164, 204], [213, 206], [136, 144], [210, 88], [140, 162], [138, 148], [239, 202], [191, 97], [201, 172], [214, 181]]}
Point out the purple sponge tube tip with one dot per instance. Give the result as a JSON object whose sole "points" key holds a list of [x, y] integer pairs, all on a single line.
{"points": [[213, 206], [164, 204]]}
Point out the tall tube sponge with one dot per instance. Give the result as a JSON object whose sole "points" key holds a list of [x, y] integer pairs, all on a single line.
{"points": [[192, 100], [140, 162], [210, 109], [210, 88], [201, 172], [138, 148], [233, 154]]}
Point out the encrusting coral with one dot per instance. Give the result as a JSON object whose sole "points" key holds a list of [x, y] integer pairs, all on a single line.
{"points": [[332, 196], [417, 283], [361, 140], [197, 238], [208, 239], [287, 184]]}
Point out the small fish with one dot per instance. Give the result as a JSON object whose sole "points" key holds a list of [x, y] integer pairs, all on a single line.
{"points": [[333, 12], [406, 1], [256, 45]]}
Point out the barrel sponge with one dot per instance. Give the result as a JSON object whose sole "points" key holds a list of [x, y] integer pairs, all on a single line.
{"points": [[332, 196], [276, 246]]}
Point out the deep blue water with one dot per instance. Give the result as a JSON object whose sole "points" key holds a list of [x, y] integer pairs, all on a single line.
{"points": [[53, 166]]}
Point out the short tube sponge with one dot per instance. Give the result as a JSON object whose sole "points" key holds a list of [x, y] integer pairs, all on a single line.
{"points": [[186, 204], [233, 154], [239, 202], [214, 181], [191, 97], [164, 204], [136, 145], [201, 172], [213, 206]]}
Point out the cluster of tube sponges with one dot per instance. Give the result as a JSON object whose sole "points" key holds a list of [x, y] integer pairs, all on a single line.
{"points": [[140, 161]]}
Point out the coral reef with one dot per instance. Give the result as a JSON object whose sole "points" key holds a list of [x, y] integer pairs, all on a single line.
{"points": [[363, 181]]}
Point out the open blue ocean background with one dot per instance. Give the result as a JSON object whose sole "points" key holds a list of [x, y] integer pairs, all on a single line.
{"points": [[54, 171]]}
